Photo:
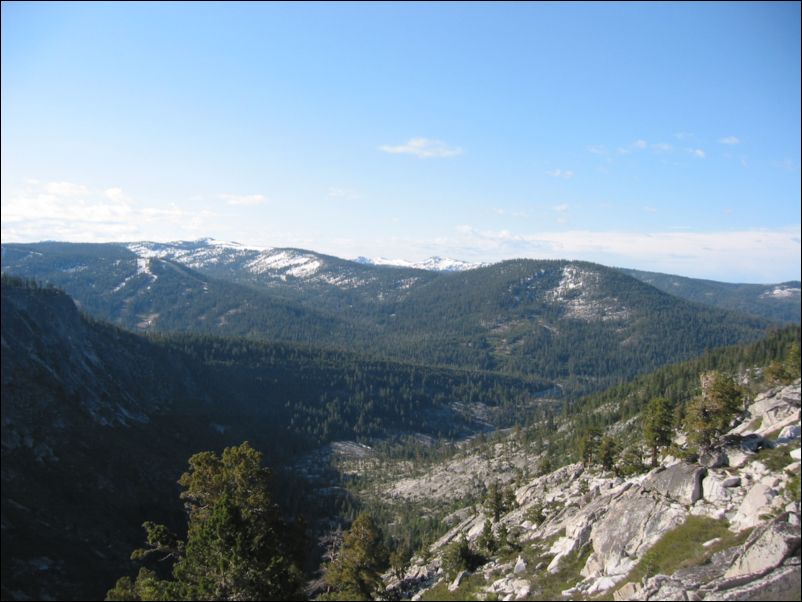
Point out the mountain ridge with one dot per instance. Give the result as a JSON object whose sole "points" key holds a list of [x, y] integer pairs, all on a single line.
{"points": [[579, 324]]}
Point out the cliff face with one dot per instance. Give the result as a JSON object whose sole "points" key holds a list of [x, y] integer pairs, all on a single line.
{"points": [[592, 533]]}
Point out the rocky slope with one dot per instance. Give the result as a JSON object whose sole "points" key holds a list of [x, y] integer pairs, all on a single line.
{"points": [[597, 534]]}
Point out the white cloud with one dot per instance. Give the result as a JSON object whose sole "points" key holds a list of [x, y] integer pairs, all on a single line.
{"points": [[597, 149], [697, 152], [47, 212], [423, 148], [565, 174], [729, 140], [561, 208], [244, 199], [640, 144], [67, 189], [661, 147], [683, 135], [114, 194], [649, 209]]}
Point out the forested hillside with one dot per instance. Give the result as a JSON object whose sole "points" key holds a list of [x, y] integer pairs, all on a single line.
{"points": [[98, 423], [581, 325], [779, 302]]}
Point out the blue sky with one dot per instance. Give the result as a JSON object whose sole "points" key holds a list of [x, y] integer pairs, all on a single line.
{"points": [[656, 136]]}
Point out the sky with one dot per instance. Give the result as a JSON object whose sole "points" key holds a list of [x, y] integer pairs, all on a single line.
{"points": [[663, 137]]}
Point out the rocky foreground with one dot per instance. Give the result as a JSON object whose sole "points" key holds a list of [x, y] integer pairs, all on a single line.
{"points": [[593, 530]]}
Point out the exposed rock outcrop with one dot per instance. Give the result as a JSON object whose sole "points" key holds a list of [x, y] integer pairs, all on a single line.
{"points": [[766, 567], [612, 522], [681, 482]]}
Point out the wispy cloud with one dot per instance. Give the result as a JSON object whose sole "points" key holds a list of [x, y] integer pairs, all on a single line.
{"points": [[565, 174], [731, 140], [661, 147], [597, 149], [639, 144], [649, 209], [244, 199], [697, 152], [423, 148], [683, 135], [561, 208]]}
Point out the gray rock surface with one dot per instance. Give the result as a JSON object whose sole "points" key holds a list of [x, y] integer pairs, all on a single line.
{"points": [[680, 482], [756, 503], [767, 547], [633, 523]]}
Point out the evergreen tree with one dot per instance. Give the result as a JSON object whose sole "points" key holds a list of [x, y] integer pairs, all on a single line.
{"points": [[458, 556], [792, 361], [487, 540], [658, 425], [237, 546], [355, 574], [631, 462], [708, 415], [494, 502], [608, 452], [589, 445]]}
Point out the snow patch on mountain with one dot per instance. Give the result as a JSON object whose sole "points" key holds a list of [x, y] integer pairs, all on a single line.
{"points": [[143, 267], [578, 292], [291, 263], [432, 264], [782, 292]]}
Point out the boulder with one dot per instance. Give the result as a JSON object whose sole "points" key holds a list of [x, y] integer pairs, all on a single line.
{"points": [[714, 491], [602, 584], [628, 591], [454, 585], [713, 459], [577, 532], [510, 588], [736, 457], [731, 482], [796, 454], [520, 566], [681, 482], [766, 548], [776, 407], [781, 584], [753, 443], [560, 548], [757, 501], [789, 433]]}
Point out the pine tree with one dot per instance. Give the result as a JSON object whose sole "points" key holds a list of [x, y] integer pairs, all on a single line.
{"points": [[237, 546], [608, 452], [487, 540], [355, 574], [589, 445], [494, 502], [708, 415], [658, 425]]}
